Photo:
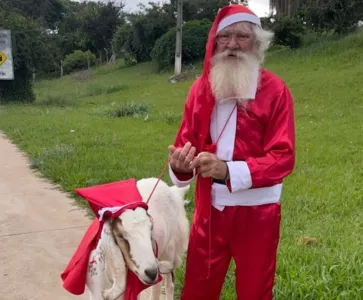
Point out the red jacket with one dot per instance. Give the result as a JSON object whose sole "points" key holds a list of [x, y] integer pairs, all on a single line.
{"points": [[265, 134]]}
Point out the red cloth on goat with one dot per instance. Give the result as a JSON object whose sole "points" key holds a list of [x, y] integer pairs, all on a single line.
{"points": [[106, 201]]}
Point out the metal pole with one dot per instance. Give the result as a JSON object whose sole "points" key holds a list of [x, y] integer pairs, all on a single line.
{"points": [[178, 46]]}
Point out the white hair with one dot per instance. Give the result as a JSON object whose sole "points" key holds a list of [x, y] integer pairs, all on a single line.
{"points": [[262, 40]]}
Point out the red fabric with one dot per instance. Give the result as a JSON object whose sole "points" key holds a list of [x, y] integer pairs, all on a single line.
{"points": [[249, 235], [265, 133], [121, 193]]}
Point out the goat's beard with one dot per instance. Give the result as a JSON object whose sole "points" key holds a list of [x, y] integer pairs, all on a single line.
{"points": [[232, 76]]}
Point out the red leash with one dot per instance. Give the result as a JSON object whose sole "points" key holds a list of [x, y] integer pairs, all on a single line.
{"points": [[157, 182], [167, 162]]}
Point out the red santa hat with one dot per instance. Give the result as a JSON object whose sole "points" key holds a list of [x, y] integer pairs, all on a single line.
{"points": [[106, 201], [237, 13]]}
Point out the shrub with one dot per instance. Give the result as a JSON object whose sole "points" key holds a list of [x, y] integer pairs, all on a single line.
{"points": [[195, 36], [288, 32], [124, 109], [18, 90], [78, 60]]}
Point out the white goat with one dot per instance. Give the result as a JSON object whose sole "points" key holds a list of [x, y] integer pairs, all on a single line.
{"points": [[129, 241]]}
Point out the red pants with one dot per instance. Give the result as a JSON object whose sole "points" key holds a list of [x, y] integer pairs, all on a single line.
{"points": [[249, 235]]}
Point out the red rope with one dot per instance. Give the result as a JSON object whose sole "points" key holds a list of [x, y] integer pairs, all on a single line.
{"points": [[225, 125], [167, 162], [157, 182]]}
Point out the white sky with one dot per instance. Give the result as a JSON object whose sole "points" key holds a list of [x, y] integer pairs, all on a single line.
{"points": [[260, 7]]}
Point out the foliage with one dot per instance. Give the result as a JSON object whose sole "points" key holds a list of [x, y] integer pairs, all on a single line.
{"points": [[124, 109], [288, 32], [19, 90], [79, 60], [98, 25], [47, 13], [202, 9], [30, 49], [285, 8], [194, 39], [136, 40], [339, 16]]}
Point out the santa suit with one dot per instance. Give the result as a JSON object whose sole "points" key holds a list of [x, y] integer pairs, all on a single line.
{"points": [[240, 218]]}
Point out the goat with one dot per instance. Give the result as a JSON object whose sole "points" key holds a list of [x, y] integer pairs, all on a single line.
{"points": [[128, 242]]}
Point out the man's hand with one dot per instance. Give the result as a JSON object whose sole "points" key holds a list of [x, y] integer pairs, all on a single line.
{"points": [[181, 158], [210, 166]]}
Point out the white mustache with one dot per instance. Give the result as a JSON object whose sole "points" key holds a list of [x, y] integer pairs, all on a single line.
{"points": [[237, 53]]}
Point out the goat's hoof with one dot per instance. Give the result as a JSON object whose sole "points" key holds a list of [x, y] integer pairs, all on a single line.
{"points": [[111, 294]]}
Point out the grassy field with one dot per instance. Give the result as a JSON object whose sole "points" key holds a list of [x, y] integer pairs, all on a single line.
{"points": [[80, 133]]}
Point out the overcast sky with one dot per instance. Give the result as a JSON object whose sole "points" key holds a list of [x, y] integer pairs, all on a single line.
{"points": [[260, 7]]}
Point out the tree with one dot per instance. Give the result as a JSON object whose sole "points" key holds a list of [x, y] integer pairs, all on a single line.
{"points": [[137, 37], [46, 12], [30, 49], [98, 23], [286, 8], [339, 16], [203, 9]]}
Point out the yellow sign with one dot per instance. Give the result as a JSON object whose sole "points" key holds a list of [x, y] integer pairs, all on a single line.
{"points": [[2, 58]]}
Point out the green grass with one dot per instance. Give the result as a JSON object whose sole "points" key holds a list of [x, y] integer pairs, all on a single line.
{"points": [[118, 125]]}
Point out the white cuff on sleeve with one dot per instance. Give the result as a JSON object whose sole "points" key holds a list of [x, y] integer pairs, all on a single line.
{"points": [[240, 176], [176, 181]]}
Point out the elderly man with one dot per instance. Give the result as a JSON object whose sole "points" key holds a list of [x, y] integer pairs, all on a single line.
{"points": [[237, 138]]}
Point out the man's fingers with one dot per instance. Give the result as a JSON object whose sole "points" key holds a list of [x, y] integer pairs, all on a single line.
{"points": [[195, 163], [184, 151], [171, 149], [205, 171], [190, 155]]}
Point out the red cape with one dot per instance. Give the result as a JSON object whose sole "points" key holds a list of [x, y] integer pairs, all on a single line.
{"points": [[121, 194]]}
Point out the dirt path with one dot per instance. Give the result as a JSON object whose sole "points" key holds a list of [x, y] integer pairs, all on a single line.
{"points": [[39, 231]]}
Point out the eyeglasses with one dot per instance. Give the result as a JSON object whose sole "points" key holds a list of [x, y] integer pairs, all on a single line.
{"points": [[225, 38]]}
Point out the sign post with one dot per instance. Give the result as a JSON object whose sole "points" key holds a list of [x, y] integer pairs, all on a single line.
{"points": [[6, 57]]}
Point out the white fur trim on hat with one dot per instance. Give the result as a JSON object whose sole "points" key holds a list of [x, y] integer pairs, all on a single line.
{"points": [[239, 17]]}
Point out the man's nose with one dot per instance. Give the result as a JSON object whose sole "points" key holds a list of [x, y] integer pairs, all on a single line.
{"points": [[233, 43]]}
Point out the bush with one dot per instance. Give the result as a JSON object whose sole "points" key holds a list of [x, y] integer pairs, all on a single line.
{"points": [[195, 36], [288, 32], [18, 90], [124, 109], [30, 50], [78, 61]]}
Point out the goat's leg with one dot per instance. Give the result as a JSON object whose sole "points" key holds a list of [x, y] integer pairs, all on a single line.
{"points": [[169, 286], [156, 291], [95, 275]]}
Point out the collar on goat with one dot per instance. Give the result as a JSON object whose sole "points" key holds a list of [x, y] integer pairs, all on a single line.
{"points": [[106, 201]]}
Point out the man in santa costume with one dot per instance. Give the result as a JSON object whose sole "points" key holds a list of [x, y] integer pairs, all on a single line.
{"points": [[237, 139]]}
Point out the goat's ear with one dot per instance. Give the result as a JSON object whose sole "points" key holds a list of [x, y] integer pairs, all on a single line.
{"points": [[116, 225]]}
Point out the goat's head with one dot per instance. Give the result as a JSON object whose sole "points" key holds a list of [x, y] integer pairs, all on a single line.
{"points": [[133, 232]]}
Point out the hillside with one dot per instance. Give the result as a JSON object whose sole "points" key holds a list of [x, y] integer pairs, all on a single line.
{"points": [[76, 135]]}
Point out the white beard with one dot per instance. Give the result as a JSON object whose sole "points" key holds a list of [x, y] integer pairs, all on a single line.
{"points": [[234, 77]]}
